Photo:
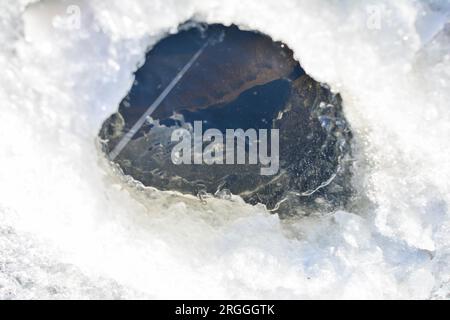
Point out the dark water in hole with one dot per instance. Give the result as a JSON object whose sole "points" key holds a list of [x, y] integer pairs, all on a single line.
{"points": [[219, 76], [256, 108], [241, 80]]}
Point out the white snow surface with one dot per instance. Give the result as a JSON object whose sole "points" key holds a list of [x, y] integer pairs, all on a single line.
{"points": [[72, 227]]}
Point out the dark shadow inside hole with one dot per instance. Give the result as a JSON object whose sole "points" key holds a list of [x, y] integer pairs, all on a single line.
{"points": [[242, 80]]}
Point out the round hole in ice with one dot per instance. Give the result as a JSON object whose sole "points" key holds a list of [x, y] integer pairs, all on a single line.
{"points": [[214, 77]]}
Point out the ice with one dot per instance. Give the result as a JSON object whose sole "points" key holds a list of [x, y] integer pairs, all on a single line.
{"points": [[72, 227]]}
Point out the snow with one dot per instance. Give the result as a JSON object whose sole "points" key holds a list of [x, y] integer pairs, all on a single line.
{"points": [[71, 227]]}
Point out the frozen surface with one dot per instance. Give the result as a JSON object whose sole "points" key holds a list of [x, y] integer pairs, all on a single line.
{"points": [[70, 227]]}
